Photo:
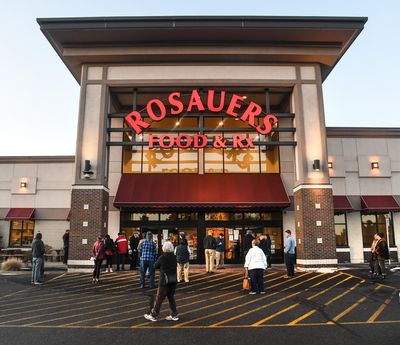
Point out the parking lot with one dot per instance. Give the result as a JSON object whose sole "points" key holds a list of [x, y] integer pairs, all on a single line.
{"points": [[207, 301]]}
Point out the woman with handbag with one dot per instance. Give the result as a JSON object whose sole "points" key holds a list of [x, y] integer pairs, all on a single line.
{"points": [[166, 283], [98, 255], [255, 264], [109, 252]]}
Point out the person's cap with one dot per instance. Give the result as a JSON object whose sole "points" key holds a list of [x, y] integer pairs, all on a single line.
{"points": [[381, 234]]}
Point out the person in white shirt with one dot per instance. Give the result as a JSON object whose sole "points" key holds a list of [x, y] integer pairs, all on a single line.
{"points": [[255, 264]]}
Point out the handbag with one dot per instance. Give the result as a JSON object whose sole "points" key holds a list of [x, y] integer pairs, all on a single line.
{"points": [[246, 284], [170, 278]]}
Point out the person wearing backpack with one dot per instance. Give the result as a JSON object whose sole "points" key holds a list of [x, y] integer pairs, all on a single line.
{"points": [[380, 253], [166, 284], [182, 253]]}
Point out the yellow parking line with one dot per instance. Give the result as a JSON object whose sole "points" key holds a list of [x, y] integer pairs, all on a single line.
{"points": [[246, 303], [57, 277], [375, 315], [349, 309]]}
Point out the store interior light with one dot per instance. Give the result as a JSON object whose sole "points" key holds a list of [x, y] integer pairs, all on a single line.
{"points": [[330, 165], [244, 97], [177, 123], [23, 184], [374, 165], [221, 123]]}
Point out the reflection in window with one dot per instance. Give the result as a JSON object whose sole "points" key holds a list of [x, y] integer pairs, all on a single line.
{"points": [[21, 233], [341, 230], [217, 216], [377, 222]]}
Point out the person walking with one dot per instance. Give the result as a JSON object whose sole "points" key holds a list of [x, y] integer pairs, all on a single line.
{"points": [[265, 245], [220, 251], [290, 254], [38, 251], [182, 253], [255, 264], [166, 285], [248, 239], [109, 248], [148, 254], [65, 246], [98, 255], [134, 243], [380, 253], [209, 244], [122, 249]]}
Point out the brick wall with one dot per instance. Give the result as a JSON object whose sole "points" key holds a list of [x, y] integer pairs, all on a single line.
{"points": [[96, 217], [308, 232]]}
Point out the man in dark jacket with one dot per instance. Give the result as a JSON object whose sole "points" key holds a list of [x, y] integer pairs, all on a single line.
{"points": [[134, 243], [182, 253], [209, 244], [37, 259], [265, 245], [380, 253], [248, 239], [66, 246]]}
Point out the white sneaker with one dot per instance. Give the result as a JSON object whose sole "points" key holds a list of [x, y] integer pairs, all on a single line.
{"points": [[111, 270], [252, 293], [172, 318], [150, 317]]}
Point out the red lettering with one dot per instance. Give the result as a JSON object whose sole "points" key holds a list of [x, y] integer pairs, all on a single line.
{"points": [[234, 104], [250, 113], [168, 145], [237, 140], [195, 100], [249, 142], [198, 138], [187, 141], [153, 139], [134, 120], [161, 107], [174, 100], [267, 124], [210, 101]]}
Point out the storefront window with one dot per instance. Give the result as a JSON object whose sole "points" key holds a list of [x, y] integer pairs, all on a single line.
{"points": [[252, 216], [144, 216], [21, 233], [217, 216], [168, 217], [377, 222], [341, 230]]}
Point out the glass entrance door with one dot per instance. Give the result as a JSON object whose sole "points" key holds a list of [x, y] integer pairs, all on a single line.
{"points": [[232, 242]]}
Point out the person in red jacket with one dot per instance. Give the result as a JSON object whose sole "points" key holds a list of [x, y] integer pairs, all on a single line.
{"points": [[122, 248], [98, 255]]}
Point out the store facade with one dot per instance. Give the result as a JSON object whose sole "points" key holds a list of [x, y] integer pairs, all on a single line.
{"points": [[197, 124]]}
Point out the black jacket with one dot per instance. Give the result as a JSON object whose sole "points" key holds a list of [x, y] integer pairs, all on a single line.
{"points": [[134, 242], [182, 254], [167, 264], [265, 245], [37, 248], [66, 240], [109, 244], [248, 238], [209, 242]]}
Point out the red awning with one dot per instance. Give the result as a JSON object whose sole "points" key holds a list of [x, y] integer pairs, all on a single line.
{"points": [[193, 190], [20, 213], [342, 204], [379, 203]]}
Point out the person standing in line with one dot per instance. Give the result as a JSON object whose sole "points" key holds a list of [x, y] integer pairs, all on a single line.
{"points": [[220, 251], [109, 249], [381, 253], [166, 285], [290, 254], [265, 245], [148, 254], [122, 249], [134, 243], [37, 259], [98, 255], [247, 241], [209, 244], [373, 259], [182, 253], [255, 264], [65, 246]]}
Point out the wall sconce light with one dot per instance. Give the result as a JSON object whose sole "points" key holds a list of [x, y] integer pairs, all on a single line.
{"points": [[374, 165], [330, 165], [87, 171], [23, 184], [316, 165]]}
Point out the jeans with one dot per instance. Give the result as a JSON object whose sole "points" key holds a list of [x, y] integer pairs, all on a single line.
{"points": [[268, 260], [97, 266], [37, 264], [144, 265], [121, 261], [162, 292], [65, 258], [289, 260], [256, 280]]}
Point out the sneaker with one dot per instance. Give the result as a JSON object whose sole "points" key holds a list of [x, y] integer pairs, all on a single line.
{"points": [[262, 293], [172, 318], [37, 283], [111, 270], [252, 293], [150, 317], [142, 286]]}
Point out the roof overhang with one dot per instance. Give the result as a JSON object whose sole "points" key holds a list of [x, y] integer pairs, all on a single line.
{"points": [[254, 39]]}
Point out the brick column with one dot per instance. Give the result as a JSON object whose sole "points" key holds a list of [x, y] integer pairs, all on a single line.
{"points": [[89, 217], [315, 229]]}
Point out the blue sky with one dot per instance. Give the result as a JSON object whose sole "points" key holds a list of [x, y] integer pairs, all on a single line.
{"points": [[39, 97]]}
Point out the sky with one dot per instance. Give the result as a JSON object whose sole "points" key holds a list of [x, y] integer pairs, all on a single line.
{"points": [[39, 97]]}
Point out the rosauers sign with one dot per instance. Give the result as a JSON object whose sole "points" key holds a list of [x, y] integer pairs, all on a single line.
{"points": [[157, 110]]}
